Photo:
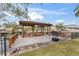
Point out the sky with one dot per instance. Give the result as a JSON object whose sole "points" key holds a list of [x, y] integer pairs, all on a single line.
{"points": [[55, 12], [52, 13]]}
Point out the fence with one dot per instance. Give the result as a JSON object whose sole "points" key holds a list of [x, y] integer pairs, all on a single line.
{"points": [[74, 35], [12, 40], [67, 34], [33, 34]]}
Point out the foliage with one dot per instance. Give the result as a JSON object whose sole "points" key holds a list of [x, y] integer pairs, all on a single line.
{"points": [[17, 10], [59, 25], [13, 9], [14, 26], [2, 15], [77, 11]]}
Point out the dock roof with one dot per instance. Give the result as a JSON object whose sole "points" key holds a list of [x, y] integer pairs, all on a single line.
{"points": [[32, 23]]}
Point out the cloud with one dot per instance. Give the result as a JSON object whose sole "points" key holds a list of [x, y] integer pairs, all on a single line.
{"points": [[59, 13], [60, 21], [36, 16], [62, 9], [7, 13], [44, 11], [65, 8]]}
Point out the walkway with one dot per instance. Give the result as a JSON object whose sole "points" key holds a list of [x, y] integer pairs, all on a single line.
{"points": [[27, 41], [31, 40]]}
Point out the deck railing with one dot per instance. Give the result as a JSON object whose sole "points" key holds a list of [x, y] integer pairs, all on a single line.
{"points": [[12, 40], [33, 34]]}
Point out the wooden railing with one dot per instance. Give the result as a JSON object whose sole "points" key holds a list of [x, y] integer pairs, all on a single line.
{"points": [[61, 34], [33, 34], [12, 40]]}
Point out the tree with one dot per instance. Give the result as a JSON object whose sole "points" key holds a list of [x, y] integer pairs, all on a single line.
{"points": [[19, 10], [77, 11], [59, 26], [14, 27], [5, 23], [14, 9], [2, 17], [4, 8]]}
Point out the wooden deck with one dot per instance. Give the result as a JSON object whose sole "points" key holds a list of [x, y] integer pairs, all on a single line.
{"points": [[31, 40]]}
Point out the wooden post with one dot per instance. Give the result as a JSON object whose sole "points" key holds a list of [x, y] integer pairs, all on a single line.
{"points": [[43, 30], [32, 30], [37, 31], [22, 31], [47, 30]]}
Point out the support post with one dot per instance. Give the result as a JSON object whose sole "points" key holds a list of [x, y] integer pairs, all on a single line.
{"points": [[32, 30], [22, 31], [47, 30], [43, 30], [38, 30], [5, 46]]}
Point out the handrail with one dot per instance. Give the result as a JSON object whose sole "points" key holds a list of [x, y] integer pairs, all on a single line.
{"points": [[12, 40]]}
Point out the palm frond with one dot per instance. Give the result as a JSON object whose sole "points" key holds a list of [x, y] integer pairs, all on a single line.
{"points": [[76, 10]]}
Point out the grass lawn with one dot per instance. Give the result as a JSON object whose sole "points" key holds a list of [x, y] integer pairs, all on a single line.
{"points": [[63, 48]]}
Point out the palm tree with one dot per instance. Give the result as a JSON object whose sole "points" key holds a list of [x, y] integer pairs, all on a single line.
{"points": [[77, 11]]}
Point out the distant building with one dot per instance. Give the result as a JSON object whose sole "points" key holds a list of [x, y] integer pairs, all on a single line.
{"points": [[72, 27]]}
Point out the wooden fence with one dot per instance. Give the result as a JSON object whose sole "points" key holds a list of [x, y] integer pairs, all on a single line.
{"points": [[61, 34], [57, 33], [74, 35], [12, 40]]}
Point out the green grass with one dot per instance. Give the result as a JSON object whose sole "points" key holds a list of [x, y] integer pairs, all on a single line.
{"points": [[63, 48]]}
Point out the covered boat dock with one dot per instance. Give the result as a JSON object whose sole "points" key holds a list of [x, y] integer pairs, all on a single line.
{"points": [[37, 28]]}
